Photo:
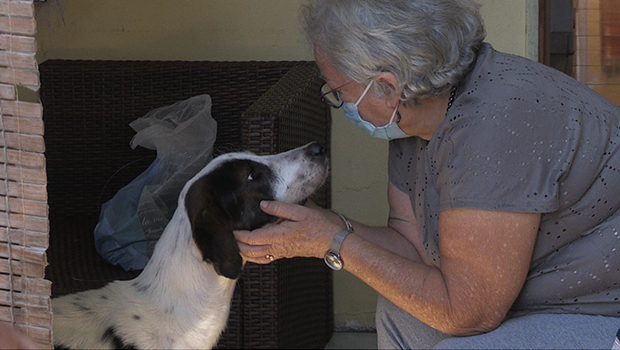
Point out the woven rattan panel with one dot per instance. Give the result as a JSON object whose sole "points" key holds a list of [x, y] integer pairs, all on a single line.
{"points": [[95, 114], [265, 107], [24, 293]]}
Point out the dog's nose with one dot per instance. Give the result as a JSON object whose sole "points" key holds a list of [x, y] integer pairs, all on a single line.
{"points": [[315, 149]]}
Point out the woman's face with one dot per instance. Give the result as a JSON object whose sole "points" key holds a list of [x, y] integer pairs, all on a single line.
{"points": [[372, 108]]}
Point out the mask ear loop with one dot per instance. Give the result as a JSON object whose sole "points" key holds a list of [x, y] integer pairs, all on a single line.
{"points": [[395, 113], [363, 93]]}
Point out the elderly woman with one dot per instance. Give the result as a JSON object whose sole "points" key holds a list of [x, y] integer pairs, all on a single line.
{"points": [[504, 184]]}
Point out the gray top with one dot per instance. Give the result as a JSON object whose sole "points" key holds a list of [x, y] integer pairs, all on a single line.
{"points": [[523, 137]]}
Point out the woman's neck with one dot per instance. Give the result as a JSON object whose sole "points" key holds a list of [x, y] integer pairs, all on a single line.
{"points": [[423, 120]]}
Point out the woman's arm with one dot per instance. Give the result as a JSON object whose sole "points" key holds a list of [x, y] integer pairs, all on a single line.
{"points": [[402, 234], [485, 257]]}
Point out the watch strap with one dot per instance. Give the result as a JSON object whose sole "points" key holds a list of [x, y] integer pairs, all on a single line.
{"points": [[349, 227], [338, 239], [332, 258]]}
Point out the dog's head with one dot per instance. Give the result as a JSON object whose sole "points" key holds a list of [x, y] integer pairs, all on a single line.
{"points": [[225, 196]]}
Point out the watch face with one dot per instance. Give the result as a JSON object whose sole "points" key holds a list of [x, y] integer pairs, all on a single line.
{"points": [[333, 261]]}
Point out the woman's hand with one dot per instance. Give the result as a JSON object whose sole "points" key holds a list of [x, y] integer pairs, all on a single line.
{"points": [[305, 232]]}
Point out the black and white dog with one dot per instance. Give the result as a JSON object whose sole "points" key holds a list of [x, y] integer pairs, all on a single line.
{"points": [[182, 298]]}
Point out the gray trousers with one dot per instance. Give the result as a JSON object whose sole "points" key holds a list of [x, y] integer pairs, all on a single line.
{"points": [[396, 329]]}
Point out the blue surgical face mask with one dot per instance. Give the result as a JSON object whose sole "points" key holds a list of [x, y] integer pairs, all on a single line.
{"points": [[389, 131]]}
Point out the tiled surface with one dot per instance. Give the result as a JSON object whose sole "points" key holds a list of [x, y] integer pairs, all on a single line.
{"points": [[597, 56], [353, 340]]}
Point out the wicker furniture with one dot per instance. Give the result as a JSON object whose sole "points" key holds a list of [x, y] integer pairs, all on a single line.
{"points": [[264, 107]]}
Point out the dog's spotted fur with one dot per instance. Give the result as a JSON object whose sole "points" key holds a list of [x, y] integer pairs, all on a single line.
{"points": [[182, 298]]}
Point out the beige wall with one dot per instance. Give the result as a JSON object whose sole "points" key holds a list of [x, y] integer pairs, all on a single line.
{"points": [[170, 30], [257, 30]]}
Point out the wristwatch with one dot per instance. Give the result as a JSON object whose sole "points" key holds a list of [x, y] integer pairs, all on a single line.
{"points": [[332, 258]]}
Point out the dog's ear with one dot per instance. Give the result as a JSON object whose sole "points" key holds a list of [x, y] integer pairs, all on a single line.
{"points": [[212, 228]]}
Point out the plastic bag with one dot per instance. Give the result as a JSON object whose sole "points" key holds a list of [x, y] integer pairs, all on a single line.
{"points": [[133, 220]]}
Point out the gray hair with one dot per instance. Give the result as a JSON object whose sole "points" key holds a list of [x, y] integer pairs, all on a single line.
{"points": [[429, 45]]}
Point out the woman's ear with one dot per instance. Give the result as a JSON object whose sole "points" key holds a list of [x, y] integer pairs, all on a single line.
{"points": [[390, 85]]}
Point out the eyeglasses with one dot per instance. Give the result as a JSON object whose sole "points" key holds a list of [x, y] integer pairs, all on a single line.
{"points": [[331, 96]]}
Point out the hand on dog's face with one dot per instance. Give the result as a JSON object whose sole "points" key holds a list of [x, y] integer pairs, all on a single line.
{"points": [[228, 198], [304, 232]]}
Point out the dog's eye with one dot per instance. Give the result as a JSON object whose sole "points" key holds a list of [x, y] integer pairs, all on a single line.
{"points": [[255, 175]]}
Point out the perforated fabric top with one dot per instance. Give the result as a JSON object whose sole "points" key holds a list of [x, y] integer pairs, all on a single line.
{"points": [[522, 137]]}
